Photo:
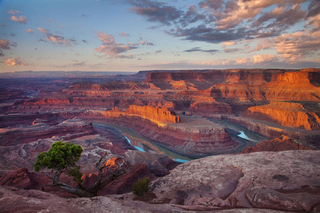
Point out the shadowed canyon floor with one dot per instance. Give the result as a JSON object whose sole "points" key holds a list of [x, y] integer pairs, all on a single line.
{"points": [[183, 114]]}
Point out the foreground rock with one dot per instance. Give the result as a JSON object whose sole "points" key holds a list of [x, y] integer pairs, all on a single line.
{"points": [[287, 180], [18, 201]]}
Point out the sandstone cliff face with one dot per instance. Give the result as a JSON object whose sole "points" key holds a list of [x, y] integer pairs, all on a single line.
{"points": [[293, 86], [155, 114], [289, 86], [286, 114], [276, 145], [251, 77], [255, 180]]}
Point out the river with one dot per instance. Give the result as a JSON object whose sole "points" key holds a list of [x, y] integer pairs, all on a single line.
{"points": [[143, 144]]}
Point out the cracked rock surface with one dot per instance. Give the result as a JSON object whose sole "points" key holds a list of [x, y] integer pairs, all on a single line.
{"points": [[288, 180]]}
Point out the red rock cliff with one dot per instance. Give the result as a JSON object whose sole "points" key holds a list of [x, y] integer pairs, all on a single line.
{"points": [[286, 114], [155, 114]]}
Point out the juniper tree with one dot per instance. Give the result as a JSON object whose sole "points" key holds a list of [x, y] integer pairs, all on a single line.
{"points": [[62, 158]]}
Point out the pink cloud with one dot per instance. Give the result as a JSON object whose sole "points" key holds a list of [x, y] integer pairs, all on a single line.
{"points": [[298, 45], [146, 43], [29, 31], [123, 34], [45, 31], [21, 19], [264, 58], [14, 62], [112, 49], [13, 12], [56, 38], [216, 62], [242, 60]]}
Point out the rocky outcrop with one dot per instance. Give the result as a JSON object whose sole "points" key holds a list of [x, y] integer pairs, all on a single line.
{"points": [[18, 156], [154, 114], [18, 201], [293, 86], [158, 164], [255, 180], [276, 145], [286, 114], [20, 178], [69, 128], [125, 183]]}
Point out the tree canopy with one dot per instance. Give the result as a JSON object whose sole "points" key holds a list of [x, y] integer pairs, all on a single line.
{"points": [[62, 158]]}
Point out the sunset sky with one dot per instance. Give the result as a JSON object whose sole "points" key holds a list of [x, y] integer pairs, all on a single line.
{"points": [[133, 35]]}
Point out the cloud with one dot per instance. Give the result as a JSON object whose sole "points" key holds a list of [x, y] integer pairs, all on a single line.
{"points": [[76, 64], [263, 44], [4, 44], [123, 34], [264, 58], [21, 19], [198, 49], [45, 31], [14, 62], [216, 62], [158, 51], [242, 60], [227, 44], [155, 11], [207, 34], [216, 21], [146, 43], [29, 31], [56, 38], [13, 12], [298, 45], [112, 49]]}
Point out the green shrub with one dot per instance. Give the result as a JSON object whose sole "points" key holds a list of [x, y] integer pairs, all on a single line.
{"points": [[141, 186]]}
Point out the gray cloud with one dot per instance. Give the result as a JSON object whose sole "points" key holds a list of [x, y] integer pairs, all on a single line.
{"points": [[155, 11], [198, 49]]}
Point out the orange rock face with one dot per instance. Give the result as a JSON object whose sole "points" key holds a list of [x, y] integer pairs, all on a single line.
{"points": [[155, 114], [286, 114]]}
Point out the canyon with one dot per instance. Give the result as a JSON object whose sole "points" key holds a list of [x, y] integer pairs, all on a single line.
{"points": [[161, 118]]}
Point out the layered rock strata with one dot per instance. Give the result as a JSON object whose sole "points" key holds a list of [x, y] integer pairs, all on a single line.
{"points": [[194, 136], [156, 115], [286, 114], [69, 128]]}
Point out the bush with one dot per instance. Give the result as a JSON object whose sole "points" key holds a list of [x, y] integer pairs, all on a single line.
{"points": [[141, 186]]}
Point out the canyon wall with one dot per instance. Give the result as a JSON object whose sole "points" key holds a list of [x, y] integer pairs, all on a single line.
{"points": [[286, 114], [154, 114]]}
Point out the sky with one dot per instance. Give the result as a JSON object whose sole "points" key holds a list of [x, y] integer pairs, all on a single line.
{"points": [[134, 35]]}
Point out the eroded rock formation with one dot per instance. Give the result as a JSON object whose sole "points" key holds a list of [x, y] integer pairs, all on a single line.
{"points": [[286, 114], [154, 114], [255, 180]]}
